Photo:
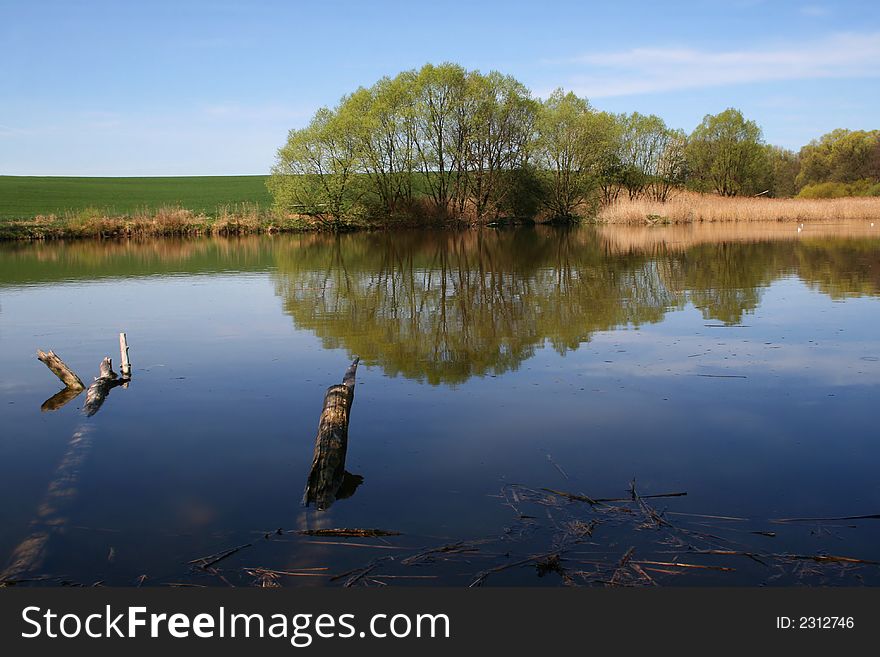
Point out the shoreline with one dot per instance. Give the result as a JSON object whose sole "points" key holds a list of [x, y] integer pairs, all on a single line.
{"points": [[682, 209]]}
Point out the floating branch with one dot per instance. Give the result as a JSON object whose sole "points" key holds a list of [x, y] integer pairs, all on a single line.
{"points": [[547, 562], [650, 512], [364, 533], [452, 548], [327, 476], [354, 576], [211, 559], [872, 516], [572, 496]]}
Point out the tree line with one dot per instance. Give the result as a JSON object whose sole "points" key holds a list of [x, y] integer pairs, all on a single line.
{"points": [[443, 142]]}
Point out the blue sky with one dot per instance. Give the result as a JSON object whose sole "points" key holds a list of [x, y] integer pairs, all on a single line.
{"points": [[155, 88]]}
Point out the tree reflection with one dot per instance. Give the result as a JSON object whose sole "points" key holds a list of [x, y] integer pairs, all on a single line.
{"points": [[442, 307]]}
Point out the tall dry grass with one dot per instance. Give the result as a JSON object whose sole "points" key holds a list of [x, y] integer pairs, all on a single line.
{"points": [[643, 238], [689, 207], [241, 219]]}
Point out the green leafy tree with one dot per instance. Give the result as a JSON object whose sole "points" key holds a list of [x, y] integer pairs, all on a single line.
{"points": [[383, 120], [443, 122], [499, 139], [574, 143], [651, 157], [726, 154], [843, 156], [315, 170], [783, 168]]}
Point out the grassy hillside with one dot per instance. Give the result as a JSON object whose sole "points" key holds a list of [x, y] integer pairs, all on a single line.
{"points": [[23, 197]]}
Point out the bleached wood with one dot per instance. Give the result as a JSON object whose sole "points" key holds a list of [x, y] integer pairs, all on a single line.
{"points": [[124, 364], [60, 369]]}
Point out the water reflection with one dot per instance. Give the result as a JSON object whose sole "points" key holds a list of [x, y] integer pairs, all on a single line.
{"points": [[443, 307]]}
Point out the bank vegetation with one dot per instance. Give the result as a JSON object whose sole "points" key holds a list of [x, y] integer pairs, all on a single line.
{"points": [[447, 145]]}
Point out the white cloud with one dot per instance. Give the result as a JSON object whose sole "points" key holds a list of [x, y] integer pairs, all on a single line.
{"points": [[657, 70]]}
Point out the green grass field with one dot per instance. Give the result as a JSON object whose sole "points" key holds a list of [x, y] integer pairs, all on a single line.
{"points": [[23, 197]]}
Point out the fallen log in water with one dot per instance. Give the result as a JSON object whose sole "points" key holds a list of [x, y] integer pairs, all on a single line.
{"points": [[60, 369], [52, 516], [327, 474], [97, 391]]}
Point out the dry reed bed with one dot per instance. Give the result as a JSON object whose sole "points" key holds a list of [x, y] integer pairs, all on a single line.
{"points": [[645, 238], [164, 222], [687, 207]]}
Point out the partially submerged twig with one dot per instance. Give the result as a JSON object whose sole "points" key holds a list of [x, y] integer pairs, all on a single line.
{"points": [[209, 560], [364, 533], [872, 516], [536, 559], [354, 576]]}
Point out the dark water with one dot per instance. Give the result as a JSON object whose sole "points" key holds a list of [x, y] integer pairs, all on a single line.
{"points": [[739, 365]]}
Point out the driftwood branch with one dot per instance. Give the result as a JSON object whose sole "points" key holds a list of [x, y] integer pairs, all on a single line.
{"points": [[327, 476], [97, 391], [61, 370]]}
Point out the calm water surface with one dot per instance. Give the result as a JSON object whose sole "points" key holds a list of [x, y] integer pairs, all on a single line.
{"points": [[738, 364]]}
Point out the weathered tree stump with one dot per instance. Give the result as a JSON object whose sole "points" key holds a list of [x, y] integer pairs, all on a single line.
{"points": [[327, 475], [97, 392]]}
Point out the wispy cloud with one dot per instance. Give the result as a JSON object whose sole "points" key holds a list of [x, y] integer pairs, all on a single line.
{"points": [[815, 10], [657, 70]]}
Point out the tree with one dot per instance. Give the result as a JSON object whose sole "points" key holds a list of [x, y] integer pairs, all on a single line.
{"points": [[574, 143], [651, 156], [315, 170], [726, 154], [669, 169], [384, 127], [499, 139], [843, 156], [784, 166], [443, 123]]}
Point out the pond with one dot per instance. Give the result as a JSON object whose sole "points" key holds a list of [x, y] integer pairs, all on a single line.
{"points": [[529, 404]]}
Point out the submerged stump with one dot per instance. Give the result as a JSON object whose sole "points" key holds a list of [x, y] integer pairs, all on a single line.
{"points": [[328, 480], [97, 392]]}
